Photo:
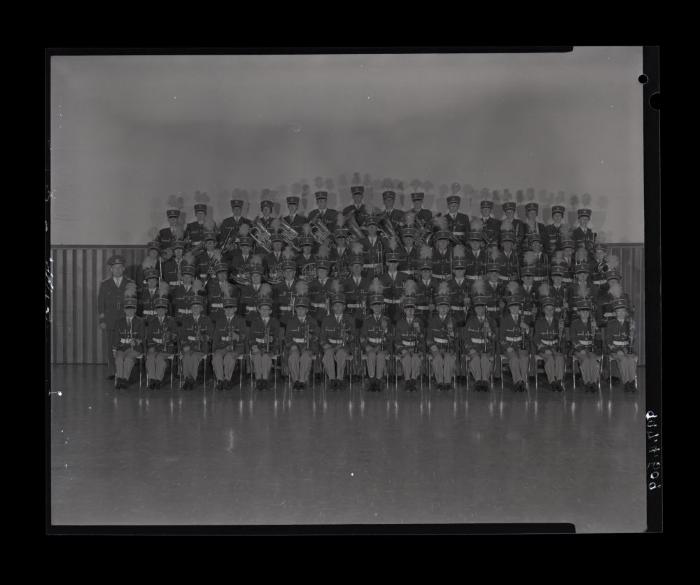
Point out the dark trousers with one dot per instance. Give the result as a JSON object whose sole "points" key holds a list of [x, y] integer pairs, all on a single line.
{"points": [[107, 345]]}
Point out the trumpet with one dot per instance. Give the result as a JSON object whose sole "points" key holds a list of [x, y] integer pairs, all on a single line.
{"points": [[261, 236]]}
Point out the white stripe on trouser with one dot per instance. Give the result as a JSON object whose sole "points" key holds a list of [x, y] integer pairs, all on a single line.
{"points": [[155, 365], [299, 364], [334, 362], [443, 367], [376, 363], [124, 362], [223, 362], [517, 361], [480, 366]]}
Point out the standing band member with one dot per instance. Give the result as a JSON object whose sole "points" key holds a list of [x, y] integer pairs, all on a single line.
{"points": [[548, 341], [513, 224], [328, 217], [442, 340], [195, 334], [423, 216], [337, 333], [127, 338], [582, 335], [264, 338], [172, 268], [161, 338], [169, 235], [301, 339], [374, 337], [409, 336], [491, 226], [357, 208], [457, 222], [294, 219], [514, 340], [583, 235], [195, 230], [553, 231], [110, 305], [228, 230]]}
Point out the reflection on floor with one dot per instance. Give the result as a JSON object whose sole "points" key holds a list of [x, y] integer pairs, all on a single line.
{"points": [[275, 457]]}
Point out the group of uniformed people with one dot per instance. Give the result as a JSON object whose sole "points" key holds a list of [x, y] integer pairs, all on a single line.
{"points": [[358, 287]]}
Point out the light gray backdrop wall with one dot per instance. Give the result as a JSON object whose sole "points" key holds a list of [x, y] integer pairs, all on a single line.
{"points": [[127, 132]]}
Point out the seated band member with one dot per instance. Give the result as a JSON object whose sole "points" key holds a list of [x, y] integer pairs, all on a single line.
{"points": [[442, 340], [491, 226], [127, 338], [374, 337], [408, 338], [459, 288], [619, 337], [195, 334], [479, 336], [161, 337], [284, 292], [409, 252], [512, 224], [228, 342], [508, 259], [548, 343], [182, 294], [319, 288], [582, 334], [392, 281], [514, 340], [356, 287], [337, 335], [251, 292], [301, 340], [265, 337]]}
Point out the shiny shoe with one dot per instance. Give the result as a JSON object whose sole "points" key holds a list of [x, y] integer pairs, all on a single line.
{"points": [[110, 377], [219, 385]]}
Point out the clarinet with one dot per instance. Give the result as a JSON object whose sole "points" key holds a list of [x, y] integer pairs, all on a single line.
{"points": [[632, 330], [306, 336], [267, 338]]}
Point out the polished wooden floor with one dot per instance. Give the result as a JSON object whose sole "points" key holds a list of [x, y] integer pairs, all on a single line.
{"points": [[124, 457]]}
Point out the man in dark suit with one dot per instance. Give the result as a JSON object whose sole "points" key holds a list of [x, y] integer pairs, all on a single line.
{"points": [[457, 222], [294, 219], [394, 215], [424, 215], [358, 207], [228, 231], [110, 305]]}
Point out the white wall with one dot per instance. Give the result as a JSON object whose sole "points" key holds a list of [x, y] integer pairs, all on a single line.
{"points": [[127, 132]]}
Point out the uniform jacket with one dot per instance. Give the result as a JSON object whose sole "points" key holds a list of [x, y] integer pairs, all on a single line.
{"points": [[617, 335], [409, 259], [171, 271], [248, 303], [510, 265], [283, 299], [329, 217], [410, 336], [122, 334], [237, 262], [459, 225], [319, 296], [259, 333], [194, 233], [438, 333], [339, 262], [110, 300], [587, 237], [300, 334], [479, 335], [147, 303], [296, 222], [475, 263], [166, 237], [215, 298], [424, 215], [442, 263], [229, 229], [162, 336], [271, 263], [553, 237], [511, 334], [196, 334], [302, 261], [376, 332], [560, 296], [547, 335], [492, 230], [581, 335], [373, 254], [360, 213], [180, 298], [356, 295], [530, 304], [225, 332], [396, 216], [332, 331]]}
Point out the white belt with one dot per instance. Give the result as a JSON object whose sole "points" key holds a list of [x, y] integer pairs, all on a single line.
{"points": [[335, 340], [557, 309], [477, 340], [472, 276], [191, 338], [539, 277], [422, 307], [298, 340], [583, 342], [158, 340], [408, 272], [185, 311], [458, 233], [319, 305], [250, 308], [527, 312], [260, 340], [439, 340], [225, 338], [149, 312], [286, 308], [608, 314], [491, 308], [392, 301], [547, 342], [368, 265], [620, 342], [599, 281], [125, 340], [354, 306], [513, 339], [456, 308], [374, 339], [409, 343], [567, 279], [175, 283], [217, 305], [440, 276]]}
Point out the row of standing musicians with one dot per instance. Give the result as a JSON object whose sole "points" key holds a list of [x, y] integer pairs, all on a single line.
{"points": [[428, 306]]}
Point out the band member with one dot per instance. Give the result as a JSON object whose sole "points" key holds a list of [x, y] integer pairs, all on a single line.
{"points": [[228, 343], [599, 268], [306, 261], [301, 339], [619, 337], [295, 219], [172, 268], [604, 300], [375, 337], [442, 340], [329, 217], [152, 261], [541, 260], [207, 260], [560, 294], [567, 258], [479, 337], [285, 291], [110, 305], [423, 216], [374, 249], [409, 252], [251, 293], [442, 255], [358, 207], [582, 335], [168, 235], [457, 222], [216, 290], [340, 255], [319, 288], [532, 226], [548, 341], [493, 291], [460, 287], [161, 338], [336, 339], [583, 235], [553, 230], [408, 338], [513, 224], [265, 218], [149, 295], [228, 230], [475, 256], [393, 215], [529, 292], [127, 338], [514, 341], [273, 260], [579, 290], [195, 335], [183, 293], [393, 282], [195, 230], [265, 336], [508, 260], [356, 287], [491, 226], [426, 287], [239, 260]]}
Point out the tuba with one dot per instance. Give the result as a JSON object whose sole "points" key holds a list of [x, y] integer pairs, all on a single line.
{"points": [[261, 236]]}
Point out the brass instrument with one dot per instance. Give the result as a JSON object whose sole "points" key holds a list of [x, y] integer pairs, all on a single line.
{"points": [[386, 227], [308, 272], [632, 331], [354, 227], [379, 265], [289, 235], [260, 235], [319, 231]]}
